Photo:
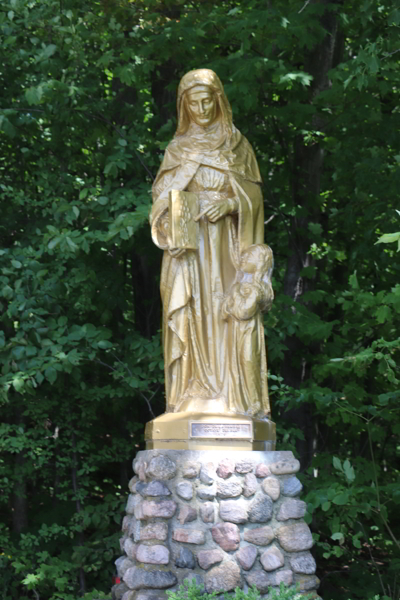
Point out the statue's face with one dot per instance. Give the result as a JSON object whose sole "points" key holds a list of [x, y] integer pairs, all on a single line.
{"points": [[202, 106], [248, 264]]}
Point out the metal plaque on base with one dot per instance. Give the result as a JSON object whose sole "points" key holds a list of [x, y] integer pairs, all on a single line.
{"points": [[199, 429]]}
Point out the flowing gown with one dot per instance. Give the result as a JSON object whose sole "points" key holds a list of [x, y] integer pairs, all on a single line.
{"points": [[219, 363]]}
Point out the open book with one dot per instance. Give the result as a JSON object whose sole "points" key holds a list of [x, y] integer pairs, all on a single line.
{"points": [[183, 229]]}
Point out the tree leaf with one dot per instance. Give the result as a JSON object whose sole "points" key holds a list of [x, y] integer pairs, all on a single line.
{"points": [[341, 499], [388, 238], [18, 384], [51, 374], [34, 95], [337, 463]]}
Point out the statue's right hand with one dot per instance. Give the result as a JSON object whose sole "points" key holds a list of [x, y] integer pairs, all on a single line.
{"points": [[176, 252]]}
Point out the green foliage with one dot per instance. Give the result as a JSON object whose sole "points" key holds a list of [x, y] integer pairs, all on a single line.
{"points": [[191, 591], [389, 238], [88, 106]]}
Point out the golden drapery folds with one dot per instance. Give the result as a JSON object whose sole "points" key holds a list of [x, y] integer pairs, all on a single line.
{"points": [[213, 335]]}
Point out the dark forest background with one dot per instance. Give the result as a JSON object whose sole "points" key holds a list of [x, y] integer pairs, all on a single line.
{"points": [[87, 96]]}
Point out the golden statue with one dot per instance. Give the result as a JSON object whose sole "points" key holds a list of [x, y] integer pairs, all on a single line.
{"points": [[208, 217]]}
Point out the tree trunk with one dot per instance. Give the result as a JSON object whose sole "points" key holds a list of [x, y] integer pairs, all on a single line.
{"points": [[19, 498], [75, 487], [306, 187]]}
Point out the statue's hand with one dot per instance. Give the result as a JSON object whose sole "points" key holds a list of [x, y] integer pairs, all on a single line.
{"points": [[218, 210]]}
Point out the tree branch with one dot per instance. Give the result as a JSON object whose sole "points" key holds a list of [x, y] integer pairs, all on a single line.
{"points": [[305, 6]]}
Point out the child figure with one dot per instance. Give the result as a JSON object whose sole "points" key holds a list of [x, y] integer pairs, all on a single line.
{"points": [[252, 291], [250, 294]]}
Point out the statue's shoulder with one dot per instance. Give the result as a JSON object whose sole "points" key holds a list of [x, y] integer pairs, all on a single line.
{"points": [[173, 145], [245, 144], [244, 155], [240, 142], [172, 156]]}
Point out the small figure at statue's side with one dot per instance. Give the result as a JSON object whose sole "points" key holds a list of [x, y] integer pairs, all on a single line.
{"points": [[216, 275]]}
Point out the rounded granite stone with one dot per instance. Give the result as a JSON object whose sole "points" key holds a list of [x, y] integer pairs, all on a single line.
{"points": [[194, 578], [226, 468], [132, 484], [139, 467], [130, 549], [150, 508], [234, 511], [154, 531], [207, 473], [246, 557], [291, 487], [285, 467], [184, 489], [122, 542], [244, 466], [261, 536], [263, 581], [250, 485], [303, 564], [291, 509], [295, 537], [260, 509], [223, 578], [122, 564], [229, 489], [207, 512], [133, 501], [154, 488], [272, 559], [153, 555], [191, 470], [271, 486], [187, 514], [189, 536], [307, 583], [284, 576], [207, 493], [149, 595], [126, 523], [119, 591], [161, 467], [262, 470], [207, 558], [260, 579], [226, 535], [185, 559], [137, 579]]}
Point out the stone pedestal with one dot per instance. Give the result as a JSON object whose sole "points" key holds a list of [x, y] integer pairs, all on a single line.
{"points": [[226, 519]]}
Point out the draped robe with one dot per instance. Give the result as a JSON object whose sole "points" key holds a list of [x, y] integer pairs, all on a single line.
{"points": [[220, 362]]}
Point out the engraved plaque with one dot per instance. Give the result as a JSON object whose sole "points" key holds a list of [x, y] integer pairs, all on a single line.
{"points": [[221, 430]]}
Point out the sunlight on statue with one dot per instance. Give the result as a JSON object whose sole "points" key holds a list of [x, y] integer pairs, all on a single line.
{"points": [[208, 218]]}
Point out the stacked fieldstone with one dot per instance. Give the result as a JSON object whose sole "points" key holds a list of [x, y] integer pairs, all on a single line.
{"points": [[227, 522]]}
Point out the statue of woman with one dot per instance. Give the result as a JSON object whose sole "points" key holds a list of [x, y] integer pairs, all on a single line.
{"points": [[215, 362]]}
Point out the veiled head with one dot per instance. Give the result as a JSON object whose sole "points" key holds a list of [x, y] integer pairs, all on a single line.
{"points": [[202, 86]]}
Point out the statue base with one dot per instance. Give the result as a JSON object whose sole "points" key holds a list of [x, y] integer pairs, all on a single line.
{"points": [[222, 519], [209, 431]]}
